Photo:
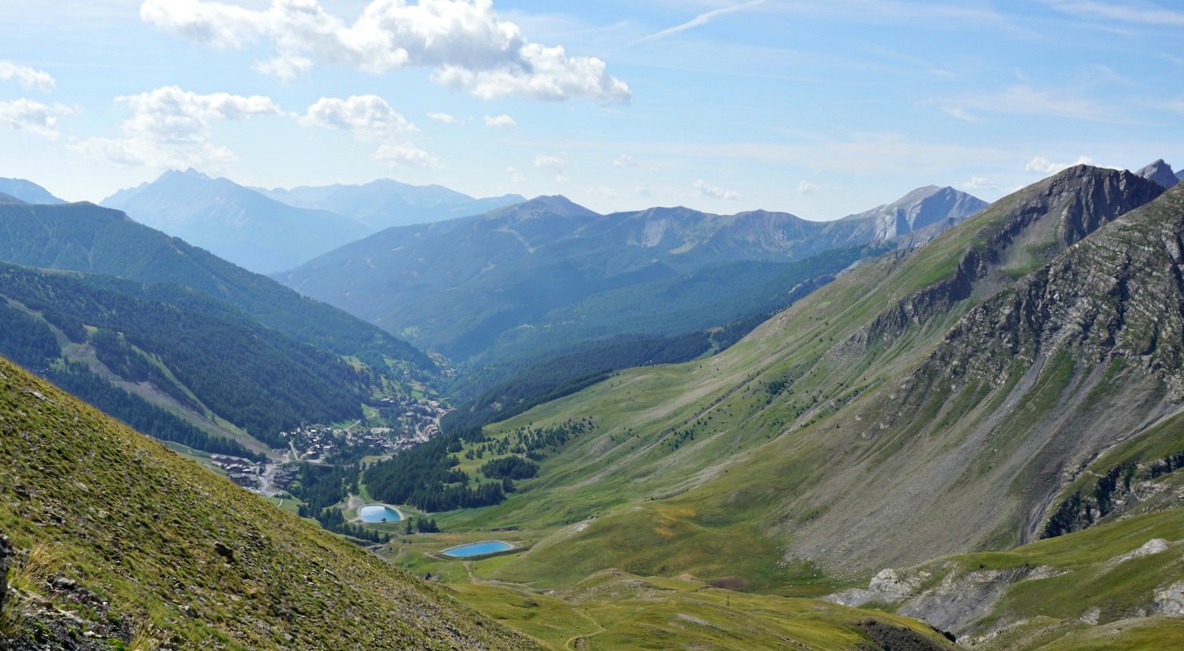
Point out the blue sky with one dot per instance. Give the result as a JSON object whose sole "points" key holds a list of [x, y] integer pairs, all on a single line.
{"points": [[817, 108]]}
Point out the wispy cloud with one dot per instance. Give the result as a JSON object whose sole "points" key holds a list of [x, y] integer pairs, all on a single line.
{"points": [[699, 21], [980, 183], [806, 188], [404, 155], [28, 77], [555, 162], [1043, 165], [959, 113], [1024, 99], [1142, 14], [33, 116], [439, 116]]}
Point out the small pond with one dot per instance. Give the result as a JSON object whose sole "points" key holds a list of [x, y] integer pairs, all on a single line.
{"points": [[478, 549], [377, 513]]}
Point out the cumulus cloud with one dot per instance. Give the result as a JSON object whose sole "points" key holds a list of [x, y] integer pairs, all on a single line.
{"points": [[713, 192], [445, 118], [555, 162], [624, 160], [171, 127], [500, 121], [403, 155], [464, 41], [1045, 166], [32, 116], [28, 77], [369, 117]]}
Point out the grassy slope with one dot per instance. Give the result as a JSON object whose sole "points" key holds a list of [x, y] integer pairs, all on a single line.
{"points": [[775, 492], [1048, 589], [139, 525], [613, 610]]}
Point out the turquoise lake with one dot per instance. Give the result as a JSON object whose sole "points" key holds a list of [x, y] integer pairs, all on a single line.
{"points": [[377, 513], [477, 549]]}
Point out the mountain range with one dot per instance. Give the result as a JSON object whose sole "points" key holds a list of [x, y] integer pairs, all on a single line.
{"points": [[385, 203], [457, 286], [954, 426], [275, 230], [235, 223]]}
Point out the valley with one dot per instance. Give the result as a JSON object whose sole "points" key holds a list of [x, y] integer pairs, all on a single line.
{"points": [[796, 472], [483, 325]]}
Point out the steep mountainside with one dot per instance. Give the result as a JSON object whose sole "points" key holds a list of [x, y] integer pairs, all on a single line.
{"points": [[118, 543], [27, 191], [385, 203], [174, 347], [457, 286], [965, 383], [87, 238], [235, 223], [8, 198]]}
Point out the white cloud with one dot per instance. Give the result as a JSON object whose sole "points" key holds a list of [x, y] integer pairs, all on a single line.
{"points": [[516, 176], [624, 160], [445, 118], [403, 155], [467, 45], [500, 121], [1045, 166], [171, 127], [700, 20], [806, 188], [712, 192], [641, 188], [28, 77], [1112, 11], [369, 117], [1026, 100], [555, 162], [980, 183], [958, 113], [32, 116]]}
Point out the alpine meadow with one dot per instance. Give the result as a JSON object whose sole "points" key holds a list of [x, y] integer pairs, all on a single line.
{"points": [[501, 324]]}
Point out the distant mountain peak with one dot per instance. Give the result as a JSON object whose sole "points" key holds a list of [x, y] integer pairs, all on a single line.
{"points": [[1161, 173], [27, 192], [546, 205], [926, 207]]}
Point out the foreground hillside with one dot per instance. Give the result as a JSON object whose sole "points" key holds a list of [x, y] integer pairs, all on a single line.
{"points": [[139, 546]]}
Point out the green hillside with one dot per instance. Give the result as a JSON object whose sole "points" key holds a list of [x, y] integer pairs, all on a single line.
{"points": [[824, 442], [207, 360], [84, 237], [118, 543]]}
